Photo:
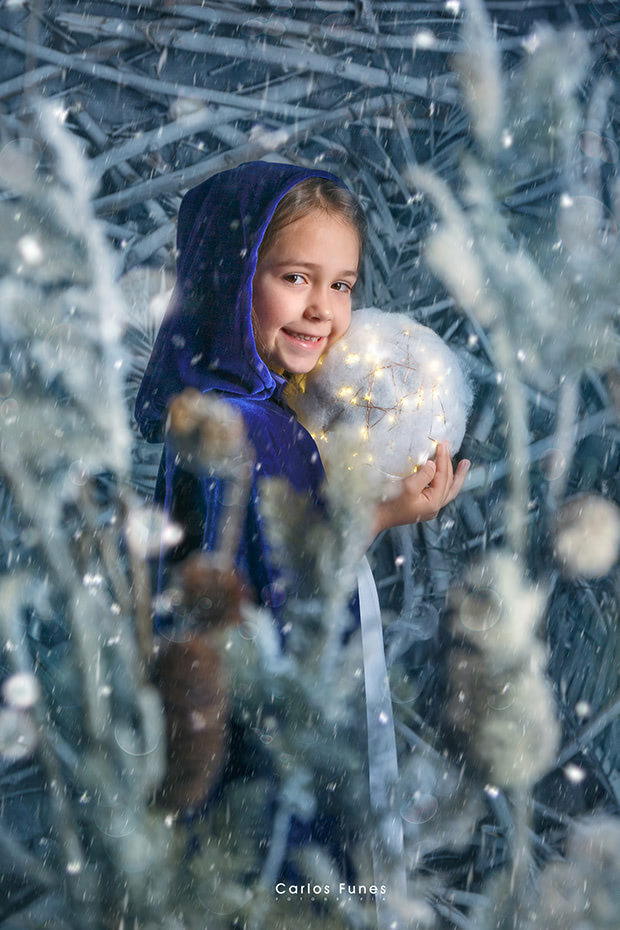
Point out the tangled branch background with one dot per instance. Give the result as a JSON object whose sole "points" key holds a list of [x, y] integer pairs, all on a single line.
{"points": [[482, 140]]}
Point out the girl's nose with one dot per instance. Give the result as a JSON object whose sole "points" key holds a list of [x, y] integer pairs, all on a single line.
{"points": [[318, 307]]}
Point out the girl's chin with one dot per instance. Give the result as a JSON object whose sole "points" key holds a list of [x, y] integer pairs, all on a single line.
{"points": [[291, 367], [299, 357]]}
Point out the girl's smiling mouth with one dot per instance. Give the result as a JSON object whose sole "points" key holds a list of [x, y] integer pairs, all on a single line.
{"points": [[303, 337]]}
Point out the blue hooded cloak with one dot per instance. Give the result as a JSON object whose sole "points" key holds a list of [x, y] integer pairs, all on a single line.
{"points": [[206, 341]]}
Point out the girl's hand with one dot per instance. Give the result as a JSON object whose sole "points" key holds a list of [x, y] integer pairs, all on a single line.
{"points": [[424, 493]]}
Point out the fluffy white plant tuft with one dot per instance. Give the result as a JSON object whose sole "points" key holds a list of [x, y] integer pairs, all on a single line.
{"points": [[388, 392], [587, 538]]}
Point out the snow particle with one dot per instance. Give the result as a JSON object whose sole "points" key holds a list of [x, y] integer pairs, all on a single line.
{"points": [[61, 113], [420, 809], [131, 741], [30, 250], [78, 473], [21, 690], [405, 688], [552, 464], [583, 709], [600, 147], [574, 773], [92, 581], [480, 610], [146, 530], [336, 24], [424, 38], [502, 699], [198, 721], [171, 534], [248, 630], [273, 595]]}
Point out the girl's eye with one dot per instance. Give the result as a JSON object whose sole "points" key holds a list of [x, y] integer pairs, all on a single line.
{"points": [[294, 278], [343, 287]]}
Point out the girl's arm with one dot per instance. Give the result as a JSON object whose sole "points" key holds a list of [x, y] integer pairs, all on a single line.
{"points": [[424, 493]]}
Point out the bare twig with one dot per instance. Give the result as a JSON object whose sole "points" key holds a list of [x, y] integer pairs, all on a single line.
{"points": [[269, 142], [483, 476], [299, 58], [594, 728], [143, 83]]}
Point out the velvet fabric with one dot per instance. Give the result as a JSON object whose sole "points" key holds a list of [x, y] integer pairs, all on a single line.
{"points": [[206, 341]]}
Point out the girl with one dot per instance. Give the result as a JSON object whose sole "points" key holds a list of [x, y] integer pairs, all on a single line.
{"points": [[268, 256]]}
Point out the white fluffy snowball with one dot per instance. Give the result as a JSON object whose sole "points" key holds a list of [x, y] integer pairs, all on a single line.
{"points": [[386, 394]]}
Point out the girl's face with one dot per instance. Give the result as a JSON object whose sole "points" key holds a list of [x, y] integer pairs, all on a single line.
{"points": [[301, 291]]}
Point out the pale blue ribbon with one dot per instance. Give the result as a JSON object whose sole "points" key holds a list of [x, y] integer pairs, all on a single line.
{"points": [[388, 849]]}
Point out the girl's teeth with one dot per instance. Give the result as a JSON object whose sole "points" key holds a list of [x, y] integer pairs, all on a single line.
{"points": [[305, 338]]}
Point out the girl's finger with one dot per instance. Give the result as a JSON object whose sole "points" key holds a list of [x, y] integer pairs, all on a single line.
{"points": [[436, 493], [422, 478], [459, 480], [443, 476]]}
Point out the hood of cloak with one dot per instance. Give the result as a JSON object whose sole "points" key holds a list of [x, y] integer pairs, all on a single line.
{"points": [[206, 339]]}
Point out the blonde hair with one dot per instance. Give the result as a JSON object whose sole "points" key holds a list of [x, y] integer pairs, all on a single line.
{"points": [[315, 194]]}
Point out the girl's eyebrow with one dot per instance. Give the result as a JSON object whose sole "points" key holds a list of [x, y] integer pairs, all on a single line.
{"points": [[301, 264]]}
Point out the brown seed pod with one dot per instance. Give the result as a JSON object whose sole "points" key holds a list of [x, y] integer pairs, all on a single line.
{"points": [[194, 691], [207, 432], [192, 682], [212, 595]]}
